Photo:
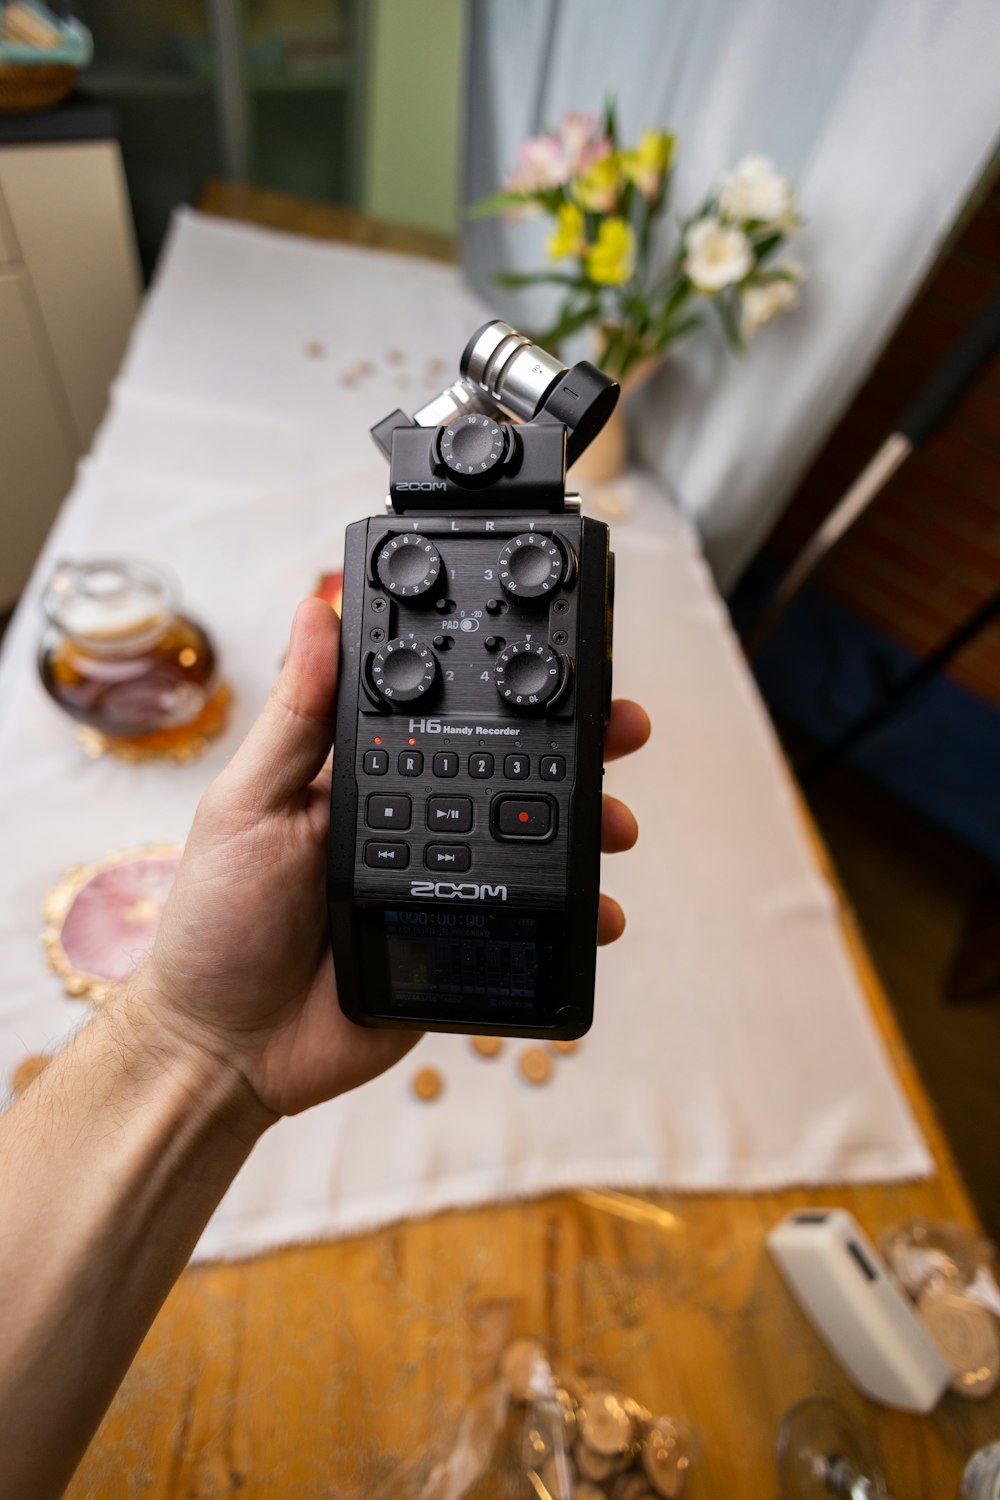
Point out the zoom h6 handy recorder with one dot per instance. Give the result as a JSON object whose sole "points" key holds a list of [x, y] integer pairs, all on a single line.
{"points": [[475, 687]]}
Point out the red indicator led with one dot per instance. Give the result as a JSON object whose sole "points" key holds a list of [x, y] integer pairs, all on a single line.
{"points": [[377, 740], [522, 817], [411, 742]]}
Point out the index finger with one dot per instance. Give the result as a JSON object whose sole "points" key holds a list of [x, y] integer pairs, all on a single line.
{"points": [[628, 729]]}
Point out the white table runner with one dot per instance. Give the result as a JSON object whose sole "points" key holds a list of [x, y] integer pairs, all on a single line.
{"points": [[732, 1048]]}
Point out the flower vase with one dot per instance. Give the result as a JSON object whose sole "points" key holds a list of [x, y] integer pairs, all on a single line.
{"points": [[606, 459]]}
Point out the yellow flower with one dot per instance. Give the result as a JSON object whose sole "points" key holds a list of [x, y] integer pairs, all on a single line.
{"points": [[599, 187], [568, 238], [646, 166], [612, 260]]}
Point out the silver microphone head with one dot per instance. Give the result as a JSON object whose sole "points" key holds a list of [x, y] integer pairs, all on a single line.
{"points": [[510, 369], [456, 401]]}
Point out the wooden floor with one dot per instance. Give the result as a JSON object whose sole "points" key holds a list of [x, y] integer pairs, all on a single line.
{"points": [[912, 889]]}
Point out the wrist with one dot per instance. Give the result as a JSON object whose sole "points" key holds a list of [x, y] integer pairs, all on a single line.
{"points": [[156, 1043]]}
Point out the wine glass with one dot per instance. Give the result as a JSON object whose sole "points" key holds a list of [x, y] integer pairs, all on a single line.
{"points": [[822, 1451]]}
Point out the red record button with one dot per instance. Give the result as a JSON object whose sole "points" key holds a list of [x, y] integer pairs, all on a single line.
{"points": [[524, 817]]}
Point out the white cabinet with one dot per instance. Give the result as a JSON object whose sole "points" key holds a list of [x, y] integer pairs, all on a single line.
{"points": [[69, 289]]}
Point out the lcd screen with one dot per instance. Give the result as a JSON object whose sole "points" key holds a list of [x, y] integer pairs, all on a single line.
{"points": [[451, 956]]}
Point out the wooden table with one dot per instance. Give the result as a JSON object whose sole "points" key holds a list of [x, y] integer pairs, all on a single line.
{"points": [[315, 1371]]}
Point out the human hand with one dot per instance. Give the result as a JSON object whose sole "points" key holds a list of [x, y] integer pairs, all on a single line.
{"points": [[242, 966]]}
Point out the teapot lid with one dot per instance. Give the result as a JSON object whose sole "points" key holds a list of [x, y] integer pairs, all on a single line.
{"points": [[110, 603]]}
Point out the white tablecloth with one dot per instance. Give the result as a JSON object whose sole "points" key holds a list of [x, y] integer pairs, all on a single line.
{"points": [[732, 1047]]}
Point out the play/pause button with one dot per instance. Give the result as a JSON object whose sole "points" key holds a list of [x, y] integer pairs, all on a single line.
{"points": [[387, 812], [387, 856], [449, 814]]}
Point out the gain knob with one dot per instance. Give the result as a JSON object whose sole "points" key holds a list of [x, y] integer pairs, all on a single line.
{"points": [[530, 566], [474, 446], [527, 674], [403, 671], [408, 565]]}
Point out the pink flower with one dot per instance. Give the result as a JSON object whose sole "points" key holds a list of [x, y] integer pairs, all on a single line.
{"points": [[541, 166], [581, 141]]}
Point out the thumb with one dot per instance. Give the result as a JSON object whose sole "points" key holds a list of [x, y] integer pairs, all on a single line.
{"points": [[292, 736]]}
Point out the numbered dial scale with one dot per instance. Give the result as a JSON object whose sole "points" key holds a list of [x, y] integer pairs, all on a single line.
{"points": [[467, 775]]}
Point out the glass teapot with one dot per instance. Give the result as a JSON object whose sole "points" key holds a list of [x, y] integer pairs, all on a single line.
{"points": [[119, 657]]}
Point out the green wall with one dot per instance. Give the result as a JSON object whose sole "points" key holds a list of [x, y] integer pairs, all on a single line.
{"points": [[416, 58]]}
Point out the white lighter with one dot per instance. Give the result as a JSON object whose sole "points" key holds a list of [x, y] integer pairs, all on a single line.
{"points": [[844, 1288]]}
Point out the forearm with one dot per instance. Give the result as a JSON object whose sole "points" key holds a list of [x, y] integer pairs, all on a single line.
{"points": [[110, 1166]]}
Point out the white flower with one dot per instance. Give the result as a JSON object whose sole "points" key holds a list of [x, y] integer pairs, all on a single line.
{"points": [[717, 255], [755, 190], [763, 303]]}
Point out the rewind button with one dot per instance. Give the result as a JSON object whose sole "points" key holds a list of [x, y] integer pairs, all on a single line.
{"points": [[388, 856]]}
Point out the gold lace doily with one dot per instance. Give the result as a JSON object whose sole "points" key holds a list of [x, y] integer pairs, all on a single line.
{"points": [[78, 983]]}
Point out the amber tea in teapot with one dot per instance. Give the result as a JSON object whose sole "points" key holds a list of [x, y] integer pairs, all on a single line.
{"points": [[119, 657]]}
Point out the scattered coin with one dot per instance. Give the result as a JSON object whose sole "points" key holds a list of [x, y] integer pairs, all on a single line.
{"points": [[27, 1071], [664, 1459], [595, 1466], [632, 1487], [966, 1335], [564, 1046], [610, 504], [588, 1491], [523, 1364], [536, 1065], [427, 1084], [606, 1426], [488, 1046]]}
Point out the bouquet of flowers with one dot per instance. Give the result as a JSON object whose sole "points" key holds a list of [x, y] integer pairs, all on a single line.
{"points": [[606, 202]]}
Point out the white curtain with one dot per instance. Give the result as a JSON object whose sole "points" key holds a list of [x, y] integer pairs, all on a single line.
{"points": [[884, 113]]}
